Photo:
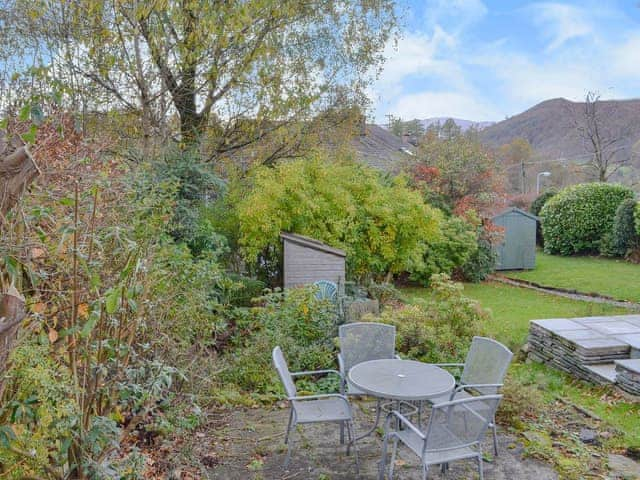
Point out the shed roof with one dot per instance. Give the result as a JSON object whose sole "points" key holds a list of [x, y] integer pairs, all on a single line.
{"points": [[516, 210], [312, 243]]}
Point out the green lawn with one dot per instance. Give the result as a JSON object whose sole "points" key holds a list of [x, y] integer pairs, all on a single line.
{"points": [[615, 278], [512, 308]]}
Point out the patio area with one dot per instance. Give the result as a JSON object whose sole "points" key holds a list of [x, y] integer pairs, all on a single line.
{"points": [[253, 448]]}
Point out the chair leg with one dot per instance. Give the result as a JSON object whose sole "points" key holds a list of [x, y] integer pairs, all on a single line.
{"points": [[495, 436], [341, 433], [289, 450], [480, 467], [383, 461], [393, 457], [286, 436], [352, 440], [425, 471]]}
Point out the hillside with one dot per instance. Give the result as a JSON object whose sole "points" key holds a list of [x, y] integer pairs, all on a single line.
{"points": [[548, 126]]}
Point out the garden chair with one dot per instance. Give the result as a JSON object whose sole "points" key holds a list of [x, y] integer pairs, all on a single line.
{"points": [[361, 342], [327, 408], [327, 291], [454, 432], [482, 373]]}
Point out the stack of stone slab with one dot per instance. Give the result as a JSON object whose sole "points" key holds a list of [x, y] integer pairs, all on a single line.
{"points": [[628, 375], [585, 347]]}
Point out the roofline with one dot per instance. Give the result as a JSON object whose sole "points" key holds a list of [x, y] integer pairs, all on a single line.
{"points": [[517, 210], [311, 243]]}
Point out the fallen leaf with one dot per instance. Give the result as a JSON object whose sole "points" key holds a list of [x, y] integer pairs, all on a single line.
{"points": [[53, 335], [38, 307]]}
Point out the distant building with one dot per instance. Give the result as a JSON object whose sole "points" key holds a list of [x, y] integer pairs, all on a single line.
{"points": [[381, 149]]}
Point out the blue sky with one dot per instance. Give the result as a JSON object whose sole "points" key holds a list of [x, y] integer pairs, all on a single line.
{"points": [[485, 60]]}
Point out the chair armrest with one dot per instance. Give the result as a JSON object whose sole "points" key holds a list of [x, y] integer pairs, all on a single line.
{"points": [[476, 386], [315, 372], [405, 422], [341, 365]]}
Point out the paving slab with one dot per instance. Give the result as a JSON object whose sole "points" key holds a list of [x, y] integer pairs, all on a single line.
{"points": [[614, 328], [558, 324], [606, 370], [632, 339], [632, 365]]}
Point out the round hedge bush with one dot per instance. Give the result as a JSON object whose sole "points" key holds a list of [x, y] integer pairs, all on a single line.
{"points": [[578, 217]]}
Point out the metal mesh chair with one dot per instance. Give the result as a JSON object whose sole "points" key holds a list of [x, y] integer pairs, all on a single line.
{"points": [[327, 408], [454, 432], [361, 342], [483, 373]]}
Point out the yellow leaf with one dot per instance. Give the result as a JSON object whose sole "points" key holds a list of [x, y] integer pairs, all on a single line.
{"points": [[83, 310]]}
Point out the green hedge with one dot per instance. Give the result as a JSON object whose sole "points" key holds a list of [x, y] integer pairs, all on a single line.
{"points": [[577, 218], [623, 236], [535, 208]]}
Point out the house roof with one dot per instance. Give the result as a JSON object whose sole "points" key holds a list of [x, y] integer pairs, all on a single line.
{"points": [[380, 148], [311, 243], [516, 210]]}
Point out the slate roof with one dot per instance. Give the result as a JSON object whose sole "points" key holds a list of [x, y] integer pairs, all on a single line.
{"points": [[381, 149]]}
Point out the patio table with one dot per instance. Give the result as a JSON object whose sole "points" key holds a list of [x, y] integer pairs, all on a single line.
{"points": [[400, 381]]}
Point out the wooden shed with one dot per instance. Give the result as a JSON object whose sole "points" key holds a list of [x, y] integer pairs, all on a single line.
{"points": [[518, 248], [307, 260]]}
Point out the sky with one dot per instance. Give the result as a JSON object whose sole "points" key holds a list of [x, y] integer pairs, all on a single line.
{"points": [[485, 60]]}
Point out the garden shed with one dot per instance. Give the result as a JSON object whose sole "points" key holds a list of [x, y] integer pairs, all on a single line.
{"points": [[518, 248], [307, 260]]}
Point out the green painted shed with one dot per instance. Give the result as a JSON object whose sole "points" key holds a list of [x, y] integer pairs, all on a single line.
{"points": [[517, 251]]}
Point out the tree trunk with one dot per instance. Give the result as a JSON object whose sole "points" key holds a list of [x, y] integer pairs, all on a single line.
{"points": [[17, 171], [11, 315]]}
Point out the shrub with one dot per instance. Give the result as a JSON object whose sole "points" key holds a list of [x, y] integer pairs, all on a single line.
{"points": [[440, 328], [456, 245], [381, 223], [481, 262], [535, 209], [294, 319], [623, 236], [576, 219], [242, 290], [385, 293]]}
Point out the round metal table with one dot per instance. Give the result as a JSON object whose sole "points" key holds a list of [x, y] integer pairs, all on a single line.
{"points": [[400, 381]]}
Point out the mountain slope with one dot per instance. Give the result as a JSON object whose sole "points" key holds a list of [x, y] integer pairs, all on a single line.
{"points": [[549, 128]]}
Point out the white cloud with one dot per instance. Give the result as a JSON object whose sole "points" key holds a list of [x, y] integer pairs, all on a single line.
{"points": [[561, 23], [454, 14], [457, 104], [625, 57]]}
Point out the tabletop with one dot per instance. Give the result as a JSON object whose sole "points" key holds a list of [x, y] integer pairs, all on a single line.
{"points": [[401, 379]]}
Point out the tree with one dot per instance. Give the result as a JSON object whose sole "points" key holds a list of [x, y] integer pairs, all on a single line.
{"points": [[603, 139], [457, 167], [515, 157], [382, 224], [237, 70]]}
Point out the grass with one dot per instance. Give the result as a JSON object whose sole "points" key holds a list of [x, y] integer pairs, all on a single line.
{"points": [[613, 277], [512, 308]]}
